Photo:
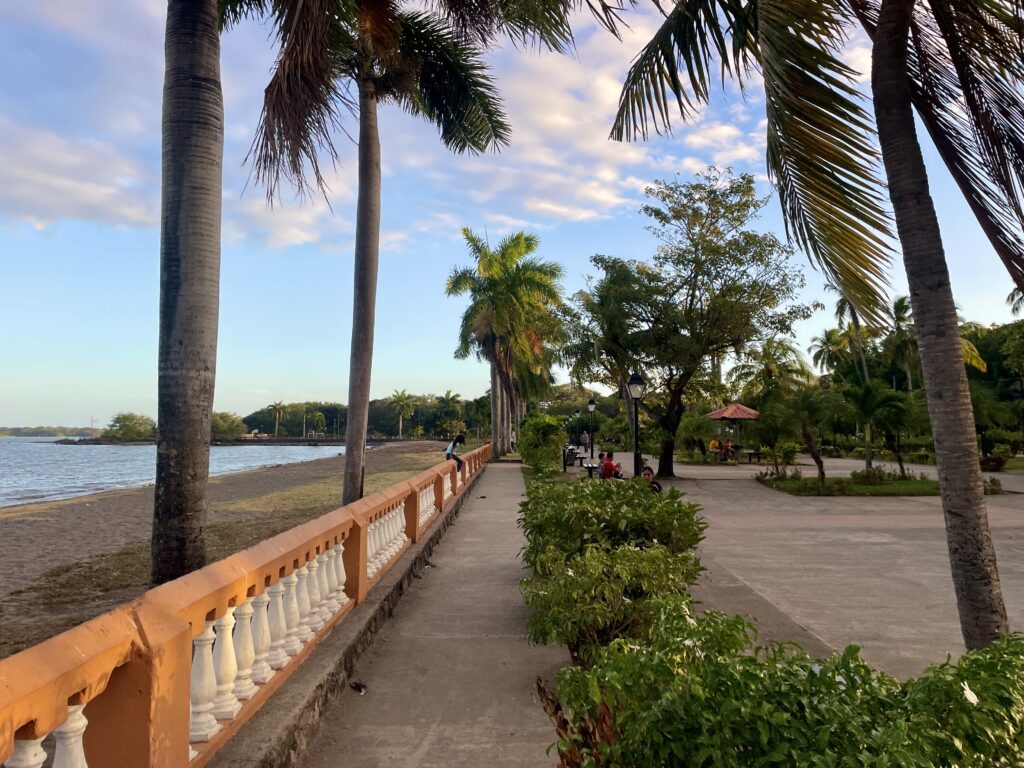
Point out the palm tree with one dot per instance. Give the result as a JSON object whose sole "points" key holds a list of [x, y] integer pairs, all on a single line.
{"points": [[512, 299], [776, 367], [810, 409], [318, 421], [193, 149], [959, 64], [426, 62], [855, 333], [405, 407], [279, 411], [830, 351], [899, 345], [870, 402]]}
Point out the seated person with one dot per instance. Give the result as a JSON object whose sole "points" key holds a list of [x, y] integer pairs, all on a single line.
{"points": [[608, 466]]}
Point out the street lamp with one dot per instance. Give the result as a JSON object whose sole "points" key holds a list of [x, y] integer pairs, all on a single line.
{"points": [[636, 391], [591, 405], [577, 417]]}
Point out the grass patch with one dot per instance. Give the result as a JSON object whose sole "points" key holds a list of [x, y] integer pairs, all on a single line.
{"points": [[1014, 462], [841, 486], [254, 520]]}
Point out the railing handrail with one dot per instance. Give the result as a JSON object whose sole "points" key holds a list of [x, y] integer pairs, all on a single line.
{"points": [[76, 666]]}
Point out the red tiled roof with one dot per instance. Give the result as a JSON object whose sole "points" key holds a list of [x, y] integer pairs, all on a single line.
{"points": [[734, 411]]}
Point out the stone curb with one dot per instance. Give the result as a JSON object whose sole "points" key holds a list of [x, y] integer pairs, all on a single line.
{"points": [[281, 731]]}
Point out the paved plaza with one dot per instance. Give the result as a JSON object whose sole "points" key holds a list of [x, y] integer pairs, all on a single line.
{"points": [[842, 570]]}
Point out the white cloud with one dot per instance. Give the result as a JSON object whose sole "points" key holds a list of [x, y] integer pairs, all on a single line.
{"points": [[45, 178]]}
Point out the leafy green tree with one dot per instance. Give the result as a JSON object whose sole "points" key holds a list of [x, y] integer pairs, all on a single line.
{"points": [[714, 286], [405, 407], [226, 426], [810, 408], [127, 427], [190, 202], [771, 369], [318, 421]]}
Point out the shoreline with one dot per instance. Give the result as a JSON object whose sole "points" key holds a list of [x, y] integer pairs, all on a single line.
{"points": [[68, 560]]}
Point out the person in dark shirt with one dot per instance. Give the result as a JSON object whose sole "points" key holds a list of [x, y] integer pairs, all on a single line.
{"points": [[648, 475], [452, 451]]}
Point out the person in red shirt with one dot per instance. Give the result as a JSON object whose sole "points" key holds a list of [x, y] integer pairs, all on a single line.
{"points": [[608, 468]]}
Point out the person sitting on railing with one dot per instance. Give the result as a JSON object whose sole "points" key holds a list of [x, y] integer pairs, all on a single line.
{"points": [[451, 453]]}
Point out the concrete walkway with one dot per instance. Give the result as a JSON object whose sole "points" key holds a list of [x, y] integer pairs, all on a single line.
{"points": [[449, 680]]}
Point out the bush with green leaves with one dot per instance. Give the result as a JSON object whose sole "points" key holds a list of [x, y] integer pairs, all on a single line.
{"points": [[541, 438], [592, 598], [569, 517], [696, 693]]}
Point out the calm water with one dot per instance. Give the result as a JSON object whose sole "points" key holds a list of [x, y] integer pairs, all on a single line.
{"points": [[37, 469]]}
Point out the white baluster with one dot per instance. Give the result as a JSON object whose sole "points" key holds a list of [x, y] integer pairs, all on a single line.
{"points": [[331, 569], [316, 619], [326, 611], [261, 669], [302, 597], [225, 667], [292, 643], [202, 724], [69, 751], [277, 657], [28, 753], [192, 754], [371, 549], [245, 651], [339, 561]]}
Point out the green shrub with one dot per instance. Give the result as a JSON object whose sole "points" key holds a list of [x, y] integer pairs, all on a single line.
{"points": [[788, 452], [594, 597], [695, 694], [540, 444], [1008, 438], [992, 463], [873, 476], [569, 517]]}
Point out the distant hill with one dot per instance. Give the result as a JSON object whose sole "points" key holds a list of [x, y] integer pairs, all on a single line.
{"points": [[50, 432]]}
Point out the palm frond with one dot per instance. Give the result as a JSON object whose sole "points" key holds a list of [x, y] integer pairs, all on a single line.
{"points": [[820, 150], [300, 105], [453, 89], [691, 39]]}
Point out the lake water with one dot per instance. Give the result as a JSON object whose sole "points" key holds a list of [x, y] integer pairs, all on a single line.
{"points": [[37, 469]]}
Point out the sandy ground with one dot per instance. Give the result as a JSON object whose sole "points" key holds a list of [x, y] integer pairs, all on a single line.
{"points": [[39, 540]]}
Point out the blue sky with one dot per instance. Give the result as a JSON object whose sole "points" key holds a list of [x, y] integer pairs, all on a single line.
{"points": [[79, 201]]}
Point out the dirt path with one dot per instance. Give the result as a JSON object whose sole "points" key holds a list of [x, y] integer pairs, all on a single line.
{"points": [[66, 561]]}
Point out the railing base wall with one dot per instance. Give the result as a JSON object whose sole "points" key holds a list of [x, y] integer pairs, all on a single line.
{"points": [[279, 732]]}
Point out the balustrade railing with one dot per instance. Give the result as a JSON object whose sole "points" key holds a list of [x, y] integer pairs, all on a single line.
{"points": [[166, 680]]}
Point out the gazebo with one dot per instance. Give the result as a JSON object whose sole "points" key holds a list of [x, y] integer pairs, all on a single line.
{"points": [[734, 412]]}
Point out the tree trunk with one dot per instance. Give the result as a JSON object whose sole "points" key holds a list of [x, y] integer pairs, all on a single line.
{"points": [[399, 426], [190, 213], [495, 387], [869, 452], [364, 291], [971, 553], [812, 448]]}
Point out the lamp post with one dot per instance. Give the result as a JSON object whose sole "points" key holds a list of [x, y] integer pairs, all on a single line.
{"points": [[591, 405], [636, 391]]}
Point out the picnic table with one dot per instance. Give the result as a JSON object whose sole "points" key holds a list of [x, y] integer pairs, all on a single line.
{"points": [[751, 452], [591, 468]]}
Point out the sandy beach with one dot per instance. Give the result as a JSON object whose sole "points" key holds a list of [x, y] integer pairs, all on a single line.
{"points": [[69, 560]]}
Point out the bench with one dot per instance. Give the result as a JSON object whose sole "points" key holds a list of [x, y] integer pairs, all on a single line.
{"points": [[591, 468], [751, 452]]}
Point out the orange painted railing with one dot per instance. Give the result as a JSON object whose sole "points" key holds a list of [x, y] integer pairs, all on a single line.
{"points": [[166, 680]]}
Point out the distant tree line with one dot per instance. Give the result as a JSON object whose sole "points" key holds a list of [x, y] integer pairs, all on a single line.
{"points": [[400, 415]]}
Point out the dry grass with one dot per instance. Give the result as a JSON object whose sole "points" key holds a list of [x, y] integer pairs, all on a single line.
{"points": [[67, 595]]}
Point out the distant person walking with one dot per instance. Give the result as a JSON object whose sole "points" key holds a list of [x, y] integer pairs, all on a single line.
{"points": [[512, 439], [451, 453]]}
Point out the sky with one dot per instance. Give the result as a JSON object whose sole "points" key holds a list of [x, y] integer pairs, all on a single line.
{"points": [[79, 215]]}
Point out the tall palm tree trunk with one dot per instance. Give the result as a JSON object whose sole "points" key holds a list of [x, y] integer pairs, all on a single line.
{"points": [[193, 150], [971, 553], [495, 409], [364, 291]]}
